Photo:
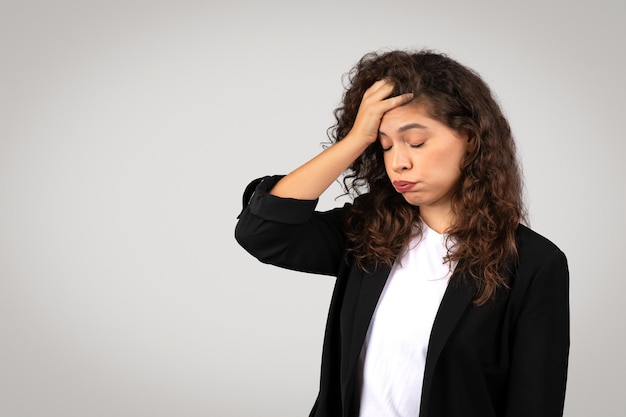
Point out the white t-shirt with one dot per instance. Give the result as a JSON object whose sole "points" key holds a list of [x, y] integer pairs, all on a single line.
{"points": [[394, 352]]}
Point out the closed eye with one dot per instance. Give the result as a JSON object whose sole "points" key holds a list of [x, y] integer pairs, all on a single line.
{"points": [[416, 145], [384, 142]]}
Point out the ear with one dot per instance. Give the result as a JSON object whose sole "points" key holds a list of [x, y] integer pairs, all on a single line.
{"points": [[473, 143]]}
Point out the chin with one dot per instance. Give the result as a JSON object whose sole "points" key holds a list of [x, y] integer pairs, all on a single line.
{"points": [[414, 201]]}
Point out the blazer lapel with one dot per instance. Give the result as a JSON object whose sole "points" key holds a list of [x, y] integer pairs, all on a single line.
{"points": [[369, 292], [458, 295], [456, 299]]}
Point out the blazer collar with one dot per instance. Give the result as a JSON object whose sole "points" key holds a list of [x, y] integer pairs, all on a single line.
{"points": [[371, 287], [368, 292], [456, 299], [458, 296]]}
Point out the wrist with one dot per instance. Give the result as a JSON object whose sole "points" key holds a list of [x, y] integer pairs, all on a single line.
{"points": [[359, 139]]}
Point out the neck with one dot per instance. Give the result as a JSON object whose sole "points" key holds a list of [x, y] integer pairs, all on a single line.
{"points": [[438, 220]]}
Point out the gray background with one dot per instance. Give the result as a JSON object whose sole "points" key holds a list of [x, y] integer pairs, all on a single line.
{"points": [[129, 130]]}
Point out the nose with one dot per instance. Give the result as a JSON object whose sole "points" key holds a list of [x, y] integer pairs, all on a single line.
{"points": [[400, 159]]}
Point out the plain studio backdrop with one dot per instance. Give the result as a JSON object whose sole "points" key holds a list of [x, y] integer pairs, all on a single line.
{"points": [[129, 130]]}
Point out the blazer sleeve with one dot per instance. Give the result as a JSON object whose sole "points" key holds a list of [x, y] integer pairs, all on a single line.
{"points": [[541, 341], [289, 233]]}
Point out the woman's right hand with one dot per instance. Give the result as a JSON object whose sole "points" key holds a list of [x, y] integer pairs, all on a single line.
{"points": [[374, 105], [310, 180]]}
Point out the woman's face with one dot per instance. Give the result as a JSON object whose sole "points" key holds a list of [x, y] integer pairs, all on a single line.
{"points": [[422, 157]]}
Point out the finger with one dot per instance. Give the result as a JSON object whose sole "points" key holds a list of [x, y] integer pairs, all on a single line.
{"points": [[396, 101], [379, 90], [379, 83]]}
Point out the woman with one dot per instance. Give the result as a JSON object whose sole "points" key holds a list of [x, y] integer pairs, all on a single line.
{"points": [[445, 304]]}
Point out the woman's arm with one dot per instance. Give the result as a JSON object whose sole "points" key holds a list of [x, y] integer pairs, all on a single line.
{"points": [[539, 361], [289, 233], [310, 180]]}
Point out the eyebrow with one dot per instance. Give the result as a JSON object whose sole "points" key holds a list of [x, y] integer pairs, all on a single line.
{"points": [[406, 127]]}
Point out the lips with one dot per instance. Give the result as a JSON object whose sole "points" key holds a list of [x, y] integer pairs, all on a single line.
{"points": [[403, 186]]}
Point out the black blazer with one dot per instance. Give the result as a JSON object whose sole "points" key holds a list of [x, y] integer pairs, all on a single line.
{"points": [[507, 358]]}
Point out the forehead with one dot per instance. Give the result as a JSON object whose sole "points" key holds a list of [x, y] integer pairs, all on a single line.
{"points": [[409, 114]]}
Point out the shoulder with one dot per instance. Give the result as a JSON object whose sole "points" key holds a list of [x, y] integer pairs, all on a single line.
{"points": [[538, 256], [534, 245]]}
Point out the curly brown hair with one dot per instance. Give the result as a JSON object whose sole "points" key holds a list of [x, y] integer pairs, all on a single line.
{"points": [[488, 203]]}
